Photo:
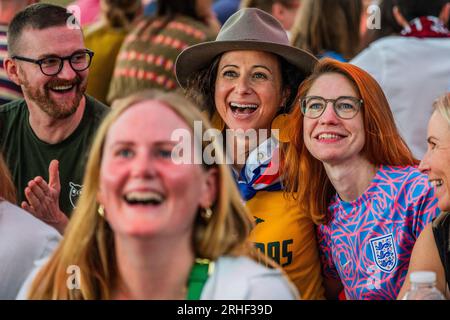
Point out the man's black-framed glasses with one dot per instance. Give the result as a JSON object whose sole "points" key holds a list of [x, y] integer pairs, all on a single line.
{"points": [[345, 107], [52, 65]]}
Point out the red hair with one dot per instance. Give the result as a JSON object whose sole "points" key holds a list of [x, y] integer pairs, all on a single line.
{"points": [[304, 176], [7, 189]]}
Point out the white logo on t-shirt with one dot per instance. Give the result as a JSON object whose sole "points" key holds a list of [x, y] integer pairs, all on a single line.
{"points": [[74, 193]]}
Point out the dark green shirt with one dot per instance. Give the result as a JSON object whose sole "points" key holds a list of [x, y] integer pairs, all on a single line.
{"points": [[27, 156]]}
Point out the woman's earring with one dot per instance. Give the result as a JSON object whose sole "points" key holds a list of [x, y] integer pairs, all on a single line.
{"points": [[281, 123], [206, 214], [101, 211]]}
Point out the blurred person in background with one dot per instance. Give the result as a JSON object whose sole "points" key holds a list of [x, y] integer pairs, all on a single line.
{"points": [[88, 10], [105, 38], [147, 57], [225, 8], [412, 67], [328, 28], [388, 24], [8, 89], [283, 10]]}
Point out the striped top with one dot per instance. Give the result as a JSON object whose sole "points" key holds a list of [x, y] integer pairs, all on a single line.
{"points": [[148, 54], [8, 90]]}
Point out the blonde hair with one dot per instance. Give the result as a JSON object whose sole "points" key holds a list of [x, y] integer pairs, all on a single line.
{"points": [[442, 105], [89, 243]]}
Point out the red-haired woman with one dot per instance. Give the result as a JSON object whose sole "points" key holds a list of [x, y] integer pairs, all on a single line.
{"points": [[364, 190]]}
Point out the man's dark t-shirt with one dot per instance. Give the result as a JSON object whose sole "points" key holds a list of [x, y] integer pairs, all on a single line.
{"points": [[27, 156]]}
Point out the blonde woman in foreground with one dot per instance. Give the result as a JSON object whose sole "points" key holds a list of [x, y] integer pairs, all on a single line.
{"points": [[146, 227]]}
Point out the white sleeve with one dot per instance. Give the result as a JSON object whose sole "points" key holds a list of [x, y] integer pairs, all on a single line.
{"points": [[23, 292], [371, 61], [272, 287]]}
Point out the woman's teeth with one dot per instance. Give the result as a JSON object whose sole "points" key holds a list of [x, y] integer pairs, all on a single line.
{"points": [[243, 108], [437, 182], [146, 197], [328, 136]]}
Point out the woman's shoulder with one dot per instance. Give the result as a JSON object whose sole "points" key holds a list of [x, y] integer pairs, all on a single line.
{"points": [[22, 226], [32, 239], [243, 278], [409, 182], [403, 173], [26, 285]]}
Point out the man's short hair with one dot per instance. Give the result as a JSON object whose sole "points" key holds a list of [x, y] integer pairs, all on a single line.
{"points": [[411, 9], [37, 16]]}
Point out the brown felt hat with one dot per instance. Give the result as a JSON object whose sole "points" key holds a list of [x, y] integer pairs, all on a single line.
{"points": [[247, 29]]}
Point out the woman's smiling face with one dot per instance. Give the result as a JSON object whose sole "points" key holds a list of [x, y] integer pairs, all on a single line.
{"points": [[248, 89], [436, 161], [144, 191], [328, 137]]}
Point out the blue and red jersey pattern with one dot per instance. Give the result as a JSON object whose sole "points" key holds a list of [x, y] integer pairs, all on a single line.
{"points": [[367, 243]]}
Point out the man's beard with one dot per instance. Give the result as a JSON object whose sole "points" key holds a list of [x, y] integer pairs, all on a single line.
{"points": [[56, 109]]}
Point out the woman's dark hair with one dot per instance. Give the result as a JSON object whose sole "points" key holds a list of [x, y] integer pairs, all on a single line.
{"points": [[411, 9], [328, 25], [174, 7], [166, 10], [201, 85], [121, 13], [388, 25]]}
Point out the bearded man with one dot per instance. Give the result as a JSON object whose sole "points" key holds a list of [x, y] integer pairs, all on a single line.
{"points": [[45, 136]]}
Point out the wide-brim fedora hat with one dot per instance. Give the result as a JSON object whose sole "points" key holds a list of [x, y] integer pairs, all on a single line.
{"points": [[247, 29]]}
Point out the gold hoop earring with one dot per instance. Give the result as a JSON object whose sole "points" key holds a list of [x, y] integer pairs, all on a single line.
{"points": [[206, 214], [101, 211], [281, 123]]}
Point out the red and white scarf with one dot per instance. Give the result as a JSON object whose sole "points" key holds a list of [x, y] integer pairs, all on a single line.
{"points": [[261, 170], [426, 27]]}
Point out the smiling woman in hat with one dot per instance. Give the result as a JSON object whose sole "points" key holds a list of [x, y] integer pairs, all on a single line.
{"points": [[247, 81]]}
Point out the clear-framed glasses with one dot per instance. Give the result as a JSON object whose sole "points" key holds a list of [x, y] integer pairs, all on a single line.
{"points": [[52, 65], [345, 107]]}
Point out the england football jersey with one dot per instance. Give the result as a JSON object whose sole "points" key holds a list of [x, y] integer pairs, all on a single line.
{"points": [[367, 243]]}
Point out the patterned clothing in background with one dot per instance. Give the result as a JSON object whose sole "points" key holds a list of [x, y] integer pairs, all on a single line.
{"points": [[367, 243], [148, 54], [105, 41], [9, 91]]}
